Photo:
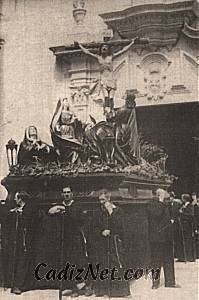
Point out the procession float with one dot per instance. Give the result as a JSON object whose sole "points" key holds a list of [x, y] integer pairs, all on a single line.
{"points": [[110, 154]]}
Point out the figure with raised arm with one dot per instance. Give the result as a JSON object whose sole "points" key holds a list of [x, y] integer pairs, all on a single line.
{"points": [[65, 131], [107, 85]]}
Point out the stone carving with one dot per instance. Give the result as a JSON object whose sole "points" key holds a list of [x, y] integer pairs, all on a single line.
{"points": [[80, 95], [78, 3], [191, 27], [154, 67], [65, 132], [32, 149], [79, 12]]}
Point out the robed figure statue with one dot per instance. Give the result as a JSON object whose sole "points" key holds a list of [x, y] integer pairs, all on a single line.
{"points": [[65, 132], [116, 140], [33, 150]]}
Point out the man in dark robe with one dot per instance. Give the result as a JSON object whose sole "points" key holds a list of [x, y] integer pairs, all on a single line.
{"points": [[18, 224], [65, 241], [174, 206], [161, 241], [187, 251], [108, 247]]}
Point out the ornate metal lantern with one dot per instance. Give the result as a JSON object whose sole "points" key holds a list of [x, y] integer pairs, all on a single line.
{"points": [[11, 151]]}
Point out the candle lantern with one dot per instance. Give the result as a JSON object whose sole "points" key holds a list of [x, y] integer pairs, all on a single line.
{"points": [[11, 151]]}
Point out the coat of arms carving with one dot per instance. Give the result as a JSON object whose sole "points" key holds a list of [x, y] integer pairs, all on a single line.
{"points": [[154, 67]]}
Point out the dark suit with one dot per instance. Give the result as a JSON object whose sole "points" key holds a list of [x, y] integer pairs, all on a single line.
{"points": [[187, 234], [18, 231], [161, 242], [109, 251], [174, 212]]}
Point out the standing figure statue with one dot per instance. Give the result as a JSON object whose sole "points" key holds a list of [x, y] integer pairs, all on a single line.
{"points": [[107, 84], [65, 124], [66, 132]]}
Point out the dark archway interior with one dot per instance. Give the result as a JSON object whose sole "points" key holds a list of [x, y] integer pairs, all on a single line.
{"points": [[174, 127]]}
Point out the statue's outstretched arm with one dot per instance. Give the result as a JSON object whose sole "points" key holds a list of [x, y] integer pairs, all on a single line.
{"points": [[86, 51], [125, 48]]}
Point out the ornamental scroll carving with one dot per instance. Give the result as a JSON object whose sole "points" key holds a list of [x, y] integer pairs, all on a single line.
{"points": [[80, 95], [154, 67], [78, 4]]}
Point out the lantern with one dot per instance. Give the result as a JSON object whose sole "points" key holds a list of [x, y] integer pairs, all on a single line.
{"points": [[11, 151]]}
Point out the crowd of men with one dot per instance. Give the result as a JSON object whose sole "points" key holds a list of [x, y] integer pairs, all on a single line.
{"points": [[38, 245]]}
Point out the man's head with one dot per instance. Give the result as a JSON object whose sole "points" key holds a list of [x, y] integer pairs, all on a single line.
{"points": [[104, 196], [186, 198], [161, 194], [21, 198], [105, 50], [194, 197], [67, 194]]}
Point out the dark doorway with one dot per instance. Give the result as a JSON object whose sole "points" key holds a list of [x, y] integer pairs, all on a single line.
{"points": [[174, 127]]}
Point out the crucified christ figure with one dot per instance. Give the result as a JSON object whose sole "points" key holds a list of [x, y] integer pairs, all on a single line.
{"points": [[107, 82]]}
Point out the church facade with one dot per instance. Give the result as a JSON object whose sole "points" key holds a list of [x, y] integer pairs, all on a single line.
{"points": [[40, 63]]}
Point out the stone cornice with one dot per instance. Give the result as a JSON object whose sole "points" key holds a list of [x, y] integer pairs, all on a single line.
{"points": [[147, 8], [161, 23]]}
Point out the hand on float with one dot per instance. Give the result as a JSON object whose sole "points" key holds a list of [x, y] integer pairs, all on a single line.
{"points": [[106, 232], [172, 221], [56, 209], [18, 210]]}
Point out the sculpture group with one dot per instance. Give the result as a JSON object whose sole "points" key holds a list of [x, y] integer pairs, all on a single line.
{"points": [[113, 142]]}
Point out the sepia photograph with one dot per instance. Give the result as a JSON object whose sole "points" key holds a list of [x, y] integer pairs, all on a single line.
{"points": [[99, 144]]}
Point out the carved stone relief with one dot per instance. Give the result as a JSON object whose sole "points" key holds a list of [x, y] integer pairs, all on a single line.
{"points": [[154, 67], [80, 96]]}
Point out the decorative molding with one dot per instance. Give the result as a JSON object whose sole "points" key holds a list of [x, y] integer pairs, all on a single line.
{"points": [[81, 70], [155, 56], [191, 58], [190, 31], [179, 89]]}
